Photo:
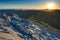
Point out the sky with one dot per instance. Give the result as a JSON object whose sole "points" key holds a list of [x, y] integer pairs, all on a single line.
{"points": [[27, 4]]}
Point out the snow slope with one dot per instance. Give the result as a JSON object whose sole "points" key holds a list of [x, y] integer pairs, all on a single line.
{"points": [[12, 27]]}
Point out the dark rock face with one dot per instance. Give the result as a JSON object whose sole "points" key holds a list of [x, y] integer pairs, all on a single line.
{"points": [[24, 28]]}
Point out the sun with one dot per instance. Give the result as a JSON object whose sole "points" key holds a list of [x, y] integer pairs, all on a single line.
{"points": [[51, 6]]}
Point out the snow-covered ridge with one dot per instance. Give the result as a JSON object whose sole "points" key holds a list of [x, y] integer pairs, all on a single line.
{"points": [[22, 29]]}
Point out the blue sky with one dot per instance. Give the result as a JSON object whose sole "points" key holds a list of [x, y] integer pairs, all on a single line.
{"points": [[24, 4]]}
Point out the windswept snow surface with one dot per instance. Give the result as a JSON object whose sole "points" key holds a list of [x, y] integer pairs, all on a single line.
{"points": [[12, 27]]}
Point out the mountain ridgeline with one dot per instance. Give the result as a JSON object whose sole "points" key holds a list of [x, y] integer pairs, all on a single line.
{"points": [[52, 17]]}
